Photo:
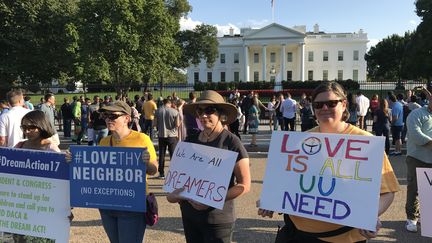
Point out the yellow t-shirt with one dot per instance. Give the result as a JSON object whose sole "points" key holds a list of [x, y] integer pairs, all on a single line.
{"points": [[133, 140], [149, 108], [389, 183]]}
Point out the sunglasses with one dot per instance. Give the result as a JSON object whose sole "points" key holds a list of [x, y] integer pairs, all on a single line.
{"points": [[209, 110], [328, 103], [112, 116], [29, 128]]}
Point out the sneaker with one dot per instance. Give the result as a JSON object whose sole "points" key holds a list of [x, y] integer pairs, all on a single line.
{"points": [[411, 225]]}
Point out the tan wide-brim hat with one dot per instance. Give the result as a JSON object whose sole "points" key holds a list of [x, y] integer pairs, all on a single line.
{"points": [[211, 97]]}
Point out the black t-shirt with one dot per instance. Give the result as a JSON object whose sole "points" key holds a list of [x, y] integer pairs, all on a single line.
{"points": [[228, 141]]}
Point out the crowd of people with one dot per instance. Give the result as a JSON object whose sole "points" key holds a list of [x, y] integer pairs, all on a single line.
{"points": [[210, 120]]}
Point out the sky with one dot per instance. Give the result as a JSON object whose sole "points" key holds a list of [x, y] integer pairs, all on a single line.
{"points": [[378, 18]]}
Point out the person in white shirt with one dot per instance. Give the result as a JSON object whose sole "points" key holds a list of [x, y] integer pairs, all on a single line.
{"points": [[10, 122], [363, 105], [288, 109]]}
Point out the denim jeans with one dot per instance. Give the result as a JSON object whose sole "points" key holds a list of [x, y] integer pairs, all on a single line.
{"points": [[67, 127], [123, 226], [98, 135], [148, 128], [165, 143]]}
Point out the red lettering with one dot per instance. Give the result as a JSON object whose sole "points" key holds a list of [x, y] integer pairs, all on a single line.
{"points": [[209, 189], [349, 148], [220, 194], [334, 152], [178, 180], [284, 146], [200, 188]]}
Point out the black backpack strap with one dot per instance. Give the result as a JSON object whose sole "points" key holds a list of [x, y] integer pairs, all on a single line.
{"points": [[326, 234]]}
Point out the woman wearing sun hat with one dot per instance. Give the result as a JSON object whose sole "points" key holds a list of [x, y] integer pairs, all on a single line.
{"points": [[202, 223]]}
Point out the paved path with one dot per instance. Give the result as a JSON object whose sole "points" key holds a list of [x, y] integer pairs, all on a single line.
{"points": [[86, 226]]}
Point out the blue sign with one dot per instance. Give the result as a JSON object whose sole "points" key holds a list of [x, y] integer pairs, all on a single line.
{"points": [[108, 178], [46, 164]]}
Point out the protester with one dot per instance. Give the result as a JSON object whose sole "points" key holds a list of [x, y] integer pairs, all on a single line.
{"points": [[271, 111], [76, 112], [235, 125], [167, 123], [27, 103], [352, 109], [382, 121], [307, 115], [182, 127], [253, 120], [191, 122], [363, 107], [148, 109], [245, 106], [202, 223], [289, 109], [100, 129], [419, 148], [134, 125], [66, 110], [396, 124], [4, 107], [49, 109], [10, 122], [279, 121], [329, 103], [126, 226]]}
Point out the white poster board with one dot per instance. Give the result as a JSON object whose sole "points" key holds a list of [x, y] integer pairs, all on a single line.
{"points": [[424, 184], [34, 194], [326, 177], [203, 171]]}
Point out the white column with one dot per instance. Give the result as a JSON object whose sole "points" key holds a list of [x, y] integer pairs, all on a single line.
{"points": [[301, 61], [264, 63], [282, 61], [246, 64]]}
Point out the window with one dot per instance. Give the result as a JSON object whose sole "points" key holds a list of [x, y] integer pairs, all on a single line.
{"points": [[325, 56], [222, 58], [236, 76], [236, 57], [289, 75], [340, 55], [209, 77], [355, 75], [272, 57], [256, 58], [289, 57], [325, 75], [222, 78], [310, 56], [256, 76], [340, 74], [310, 75], [356, 55], [196, 77]]}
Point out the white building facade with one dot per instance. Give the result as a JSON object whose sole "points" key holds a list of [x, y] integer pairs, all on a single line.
{"points": [[278, 53]]}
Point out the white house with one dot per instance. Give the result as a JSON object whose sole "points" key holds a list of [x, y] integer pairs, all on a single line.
{"points": [[276, 52]]}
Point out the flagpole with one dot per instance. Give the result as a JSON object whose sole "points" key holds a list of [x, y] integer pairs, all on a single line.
{"points": [[272, 5]]}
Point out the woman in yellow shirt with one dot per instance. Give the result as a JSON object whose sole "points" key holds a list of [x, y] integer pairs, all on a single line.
{"points": [[125, 226]]}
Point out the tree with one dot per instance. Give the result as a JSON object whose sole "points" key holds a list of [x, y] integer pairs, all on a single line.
{"points": [[124, 41], [418, 59], [34, 41], [384, 61], [197, 44]]}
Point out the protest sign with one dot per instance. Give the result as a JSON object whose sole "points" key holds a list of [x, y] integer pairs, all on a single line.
{"points": [[108, 178], [327, 177], [424, 183], [34, 193], [203, 171]]}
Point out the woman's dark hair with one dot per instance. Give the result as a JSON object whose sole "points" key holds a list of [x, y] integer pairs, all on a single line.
{"points": [[40, 120], [337, 89]]}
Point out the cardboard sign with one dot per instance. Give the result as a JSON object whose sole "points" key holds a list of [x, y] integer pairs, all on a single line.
{"points": [[108, 178], [34, 193], [327, 177], [424, 183], [203, 171]]}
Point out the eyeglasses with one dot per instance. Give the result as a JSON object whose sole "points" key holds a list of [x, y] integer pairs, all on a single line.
{"points": [[209, 110], [111, 116], [29, 128], [328, 103]]}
